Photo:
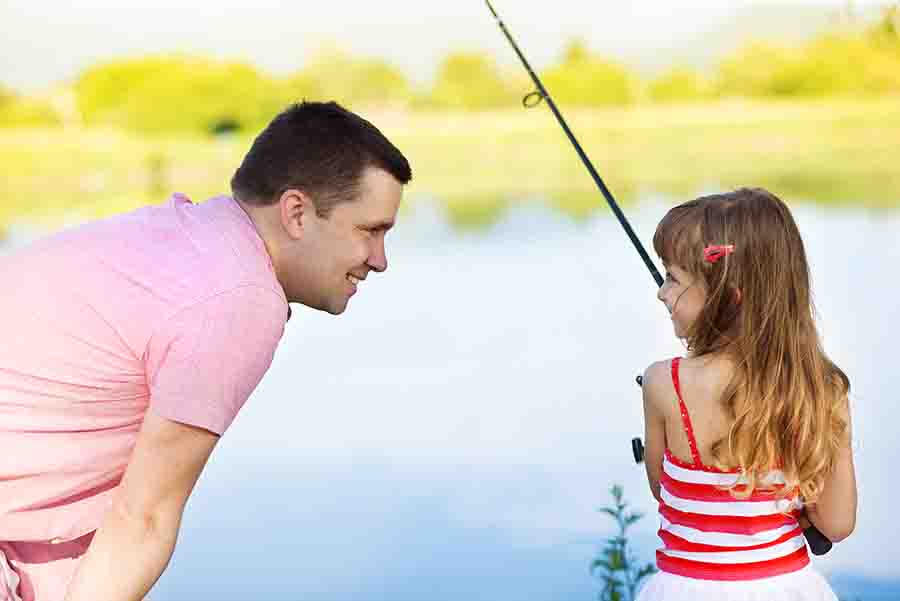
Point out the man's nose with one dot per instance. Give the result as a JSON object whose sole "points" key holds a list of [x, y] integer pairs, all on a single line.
{"points": [[378, 257]]}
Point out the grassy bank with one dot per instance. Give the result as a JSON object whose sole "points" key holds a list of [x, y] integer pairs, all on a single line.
{"points": [[844, 152]]}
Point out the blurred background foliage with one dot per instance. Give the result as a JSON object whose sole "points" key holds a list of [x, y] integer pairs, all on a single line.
{"points": [[816, 120], [191, 94]]}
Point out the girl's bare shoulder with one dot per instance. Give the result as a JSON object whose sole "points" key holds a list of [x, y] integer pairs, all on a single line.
{"points": [[658, 389]]}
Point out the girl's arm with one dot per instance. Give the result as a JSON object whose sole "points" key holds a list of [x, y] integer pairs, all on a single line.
{"points": [[655, 386], [834, 512]]}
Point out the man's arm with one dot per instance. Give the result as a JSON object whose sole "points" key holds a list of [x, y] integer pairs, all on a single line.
{"points": [[133, 546]]}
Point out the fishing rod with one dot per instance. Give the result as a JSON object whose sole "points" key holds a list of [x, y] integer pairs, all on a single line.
{"points": [[818, 542], [533, 99]]}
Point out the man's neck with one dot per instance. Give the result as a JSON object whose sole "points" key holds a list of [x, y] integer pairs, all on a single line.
{"points": [[260, 217]]}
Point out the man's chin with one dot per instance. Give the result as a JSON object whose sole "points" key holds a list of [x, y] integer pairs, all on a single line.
{"points": [[334, 308], [337, 308]]}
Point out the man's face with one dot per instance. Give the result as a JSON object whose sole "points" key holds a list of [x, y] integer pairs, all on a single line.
{"points": [[335, 254]]}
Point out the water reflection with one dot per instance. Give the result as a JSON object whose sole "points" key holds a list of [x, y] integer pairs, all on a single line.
{"points": [[452, 435]]}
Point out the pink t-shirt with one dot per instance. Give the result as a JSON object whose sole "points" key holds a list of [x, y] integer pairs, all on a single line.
{"points": [[173, 308]]}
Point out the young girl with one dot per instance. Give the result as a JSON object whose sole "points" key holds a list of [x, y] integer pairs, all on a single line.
{"points": [[753, 424]]}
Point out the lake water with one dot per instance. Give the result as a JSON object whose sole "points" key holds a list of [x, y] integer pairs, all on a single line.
{"points": [[453, 434]]}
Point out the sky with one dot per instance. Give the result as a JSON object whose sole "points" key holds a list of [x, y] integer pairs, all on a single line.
{"points": [[47, 42]]}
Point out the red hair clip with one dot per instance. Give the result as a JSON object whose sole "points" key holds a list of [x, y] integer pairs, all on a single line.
{"points": [[714, 252]]}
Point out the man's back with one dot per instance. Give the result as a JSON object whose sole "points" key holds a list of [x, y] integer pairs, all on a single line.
{"points": [[146, 309]]}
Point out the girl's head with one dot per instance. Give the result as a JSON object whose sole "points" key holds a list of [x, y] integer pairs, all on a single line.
{"points": [[726, 255], [738, 285]]}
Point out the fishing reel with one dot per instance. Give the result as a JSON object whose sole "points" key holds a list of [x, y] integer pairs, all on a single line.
{"points": [[637, 445]]}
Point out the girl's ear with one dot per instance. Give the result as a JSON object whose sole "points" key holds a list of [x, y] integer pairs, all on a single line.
{"points": [[737, 296]]}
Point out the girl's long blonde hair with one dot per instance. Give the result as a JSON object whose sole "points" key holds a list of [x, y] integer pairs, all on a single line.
{"points": [[786, 399]]}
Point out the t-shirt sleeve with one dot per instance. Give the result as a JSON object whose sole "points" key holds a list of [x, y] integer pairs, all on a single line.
{"points": [[203, 363]]}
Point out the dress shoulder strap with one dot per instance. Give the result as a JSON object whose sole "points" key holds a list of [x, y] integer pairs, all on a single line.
{"points": [[685, 418]]}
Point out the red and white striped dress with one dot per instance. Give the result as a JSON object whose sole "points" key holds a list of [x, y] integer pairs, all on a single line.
{"points": [[718, 546]]}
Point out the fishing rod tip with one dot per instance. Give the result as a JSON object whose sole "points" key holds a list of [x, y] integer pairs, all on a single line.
{"points": [[491, 8]]}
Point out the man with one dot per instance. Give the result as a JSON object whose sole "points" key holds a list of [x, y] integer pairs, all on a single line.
{"points": [[128, 345]]}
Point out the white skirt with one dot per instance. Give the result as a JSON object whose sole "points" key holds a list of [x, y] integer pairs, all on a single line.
{"points": [[805, 584]]}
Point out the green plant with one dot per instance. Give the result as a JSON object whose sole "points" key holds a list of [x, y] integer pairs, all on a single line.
{"points": [[617, 565]]}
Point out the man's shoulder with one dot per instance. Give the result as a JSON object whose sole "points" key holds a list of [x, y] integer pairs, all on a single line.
{"points": [[136, 270], [192, 250]]}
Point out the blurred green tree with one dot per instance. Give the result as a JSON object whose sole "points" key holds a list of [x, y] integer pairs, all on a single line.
{"points": [[164, 94], [334, 74], [469, 81], [584, 79], [838, 63], [679, 84], [887, 30]]}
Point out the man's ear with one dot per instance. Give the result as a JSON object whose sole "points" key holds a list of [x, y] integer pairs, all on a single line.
{"points": [[295, 207]]}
